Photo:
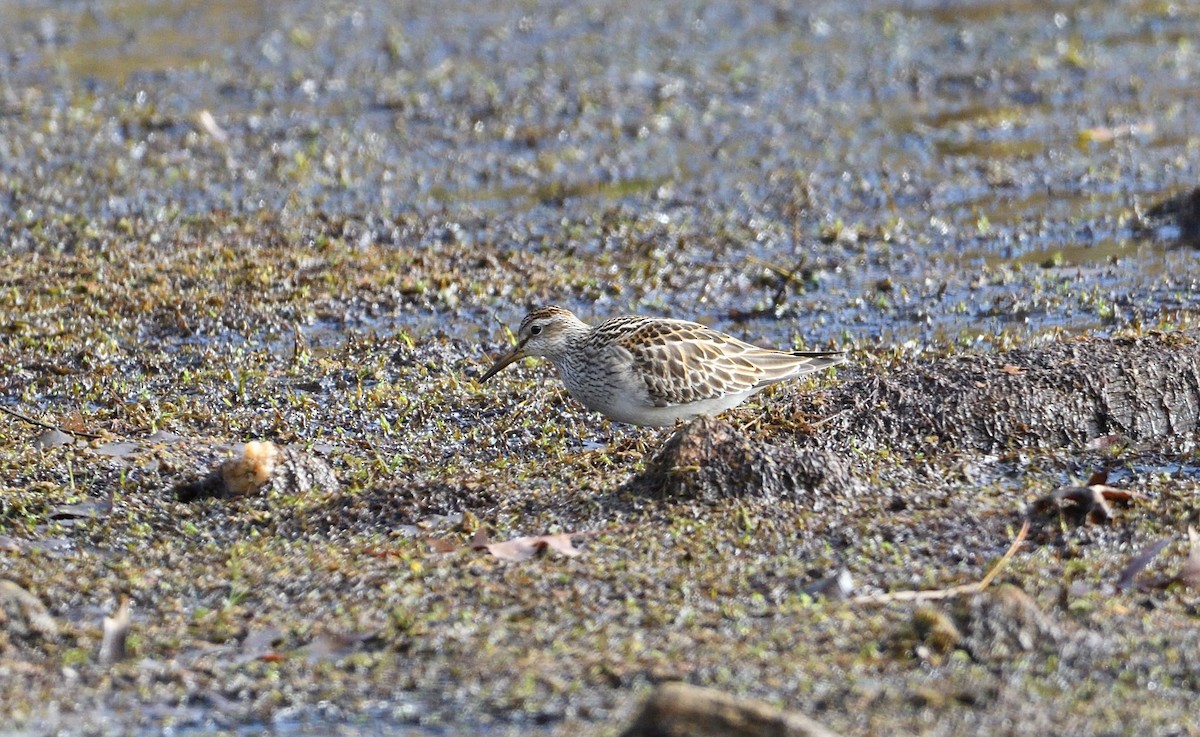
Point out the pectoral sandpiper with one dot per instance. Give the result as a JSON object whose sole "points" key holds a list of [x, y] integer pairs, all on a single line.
{"points": [[653, 370]]}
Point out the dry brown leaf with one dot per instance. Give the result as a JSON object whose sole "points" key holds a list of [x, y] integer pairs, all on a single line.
{"points": [[523, 548], [116, 631], [89, 509], [443, 545], [1012, 370], [479, 540], [75, 423], [1113, 495], [1139, 562], [1082, 503]]}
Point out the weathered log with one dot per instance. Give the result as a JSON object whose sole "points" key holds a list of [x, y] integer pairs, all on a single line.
{"points": [[682, 710], [1061, 394]]}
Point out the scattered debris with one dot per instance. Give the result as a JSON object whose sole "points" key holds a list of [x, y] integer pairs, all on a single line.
{"points": [[116, 632], [837, 587], [1081, 504], [1135, 566], [1188, 575], [516, 549]]}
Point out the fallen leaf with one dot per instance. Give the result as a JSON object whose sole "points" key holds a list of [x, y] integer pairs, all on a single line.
{"points": [[1012, 370], [118, 449], [443, 545], [52, 439], [1139, 562], [524, 548], [837, 587], [1113, 495], [74, 423], [116, 631], [1082, 503], [90, 509], [479, 540]]}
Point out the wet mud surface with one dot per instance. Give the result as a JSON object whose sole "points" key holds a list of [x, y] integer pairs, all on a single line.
{"points": [[315, 224]]}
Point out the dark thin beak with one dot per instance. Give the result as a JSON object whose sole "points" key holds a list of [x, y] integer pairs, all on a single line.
{"points": [[516, 354]]}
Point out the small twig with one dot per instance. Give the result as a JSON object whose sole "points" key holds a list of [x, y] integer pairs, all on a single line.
{"points": [[788, 275], [827, 419], [966, 588], [46, 425]]}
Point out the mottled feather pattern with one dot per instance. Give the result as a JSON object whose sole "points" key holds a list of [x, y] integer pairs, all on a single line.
{"points": [[654, 371], [683, 361]]}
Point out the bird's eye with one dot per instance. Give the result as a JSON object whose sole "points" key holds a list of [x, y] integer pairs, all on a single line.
{"points": [[535, 329]]}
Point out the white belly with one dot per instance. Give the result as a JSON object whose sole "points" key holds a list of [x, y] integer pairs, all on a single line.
{"points": [[608, 385], [639, 411]]}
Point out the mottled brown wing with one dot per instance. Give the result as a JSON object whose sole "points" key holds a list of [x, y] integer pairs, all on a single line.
{"points": [[684, 362]]}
